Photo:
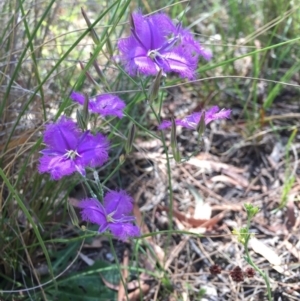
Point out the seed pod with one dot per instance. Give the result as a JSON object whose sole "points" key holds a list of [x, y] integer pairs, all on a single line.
{"points": [[73, 215], [201, 125], [130, 139], [154, 88], [87, 74], [100, 73], [174, 146], [92, 30], [109, 46]]}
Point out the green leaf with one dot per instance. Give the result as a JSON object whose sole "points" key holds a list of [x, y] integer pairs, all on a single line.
{"points": [[87, 285]]}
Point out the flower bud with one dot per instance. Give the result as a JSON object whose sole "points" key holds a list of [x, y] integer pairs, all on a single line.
{"points": [[201, 125], [154, 88], [80, 120], [87, 74], [251, 210], [130, 139], [174, 146], [73, 215], [92, 30], [121, 159], [100, 73], [131, 22], [109, 46]]}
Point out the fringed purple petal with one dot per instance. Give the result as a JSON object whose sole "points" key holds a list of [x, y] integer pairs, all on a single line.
{"points": [[190, 121], [118, 202], [180, 63], [212, 111], [77, 97], [92, 150], [57, 166], [165, 124], [123, 231], [144, 65], [93, 211], [218, 115], [142, 30], [105, 104], [62, 135], [109, 104]]}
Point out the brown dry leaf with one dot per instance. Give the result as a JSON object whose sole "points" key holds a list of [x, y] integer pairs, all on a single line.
{"points": [[114, 287], [208, 223], [260, 248], [18, 141], [135, 295]]}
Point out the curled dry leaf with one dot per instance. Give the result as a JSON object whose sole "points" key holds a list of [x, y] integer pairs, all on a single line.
{"points": [[193, 222]]}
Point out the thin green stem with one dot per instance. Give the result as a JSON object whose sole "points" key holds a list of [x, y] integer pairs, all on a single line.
{"points": [[112, 173], [163, 140], [118, 264], [250, 261], [89, 188]]}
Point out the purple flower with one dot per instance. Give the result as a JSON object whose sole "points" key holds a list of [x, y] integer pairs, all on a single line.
{"points": [[69, 150], [191, 121], [105, 104], [156, 43], [113, 215]]}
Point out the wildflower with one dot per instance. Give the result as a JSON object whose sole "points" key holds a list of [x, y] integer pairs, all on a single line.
{"points": [[215, 269], [113, 215], [249, 272], [237, 274], [156, 43], [69, 150], [105, 104], [192, 121]]}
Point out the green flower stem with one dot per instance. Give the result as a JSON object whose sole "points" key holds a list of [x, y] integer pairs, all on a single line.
{"points": [[118, 264], [169, 172], [167, 158], [256, 268], [89, 188]]}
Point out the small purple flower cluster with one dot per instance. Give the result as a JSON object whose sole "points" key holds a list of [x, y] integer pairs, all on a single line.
{"points": [[69, 150], [156, 45]]}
